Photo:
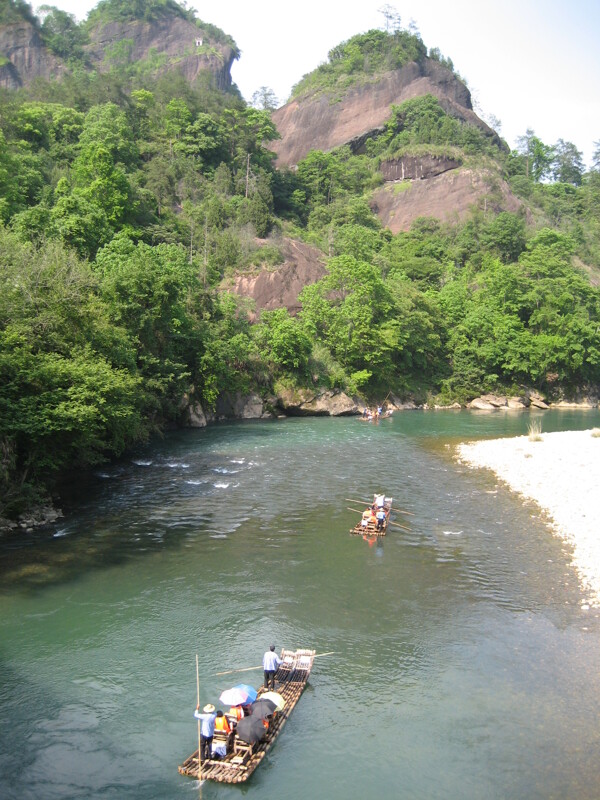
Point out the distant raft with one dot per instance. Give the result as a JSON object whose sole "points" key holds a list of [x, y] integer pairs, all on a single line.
{"points": [[369, 525], [242, 758]]}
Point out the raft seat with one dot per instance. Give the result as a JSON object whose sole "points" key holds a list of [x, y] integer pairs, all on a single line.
{"points": [[242, 748]]}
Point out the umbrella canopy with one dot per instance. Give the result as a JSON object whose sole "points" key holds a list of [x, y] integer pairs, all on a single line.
{"points": [[234, 697], [250, 691], [262, 708], [276, 698], [251, 729]]}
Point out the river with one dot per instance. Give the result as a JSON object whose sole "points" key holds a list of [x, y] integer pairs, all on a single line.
{"points": [[464, 664]]}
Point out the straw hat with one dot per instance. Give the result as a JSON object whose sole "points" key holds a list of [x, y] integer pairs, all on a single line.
{"points": [[208, 709]]}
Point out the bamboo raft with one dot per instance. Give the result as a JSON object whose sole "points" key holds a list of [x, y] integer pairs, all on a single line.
{"points": [[242, 758], [371, 528]]}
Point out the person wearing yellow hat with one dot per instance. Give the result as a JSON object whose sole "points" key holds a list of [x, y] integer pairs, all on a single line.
{"points": [[207, 729]]}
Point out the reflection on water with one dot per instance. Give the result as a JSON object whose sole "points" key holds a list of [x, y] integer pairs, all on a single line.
{"points": [[463, 667]]}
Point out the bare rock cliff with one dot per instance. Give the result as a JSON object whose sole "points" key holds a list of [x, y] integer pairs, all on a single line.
{"points": [[180, 44], [448, 196], [24, 57], [280, 287], [323, 122]]}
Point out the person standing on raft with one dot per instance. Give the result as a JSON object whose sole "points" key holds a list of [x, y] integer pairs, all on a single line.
{"points": [[207, 729], [271, 662]]}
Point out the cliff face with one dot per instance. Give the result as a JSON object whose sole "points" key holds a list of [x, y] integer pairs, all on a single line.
{"points": [[179, 44], [448, 196], [173, 43], [279, 288], [323, 122], [26, 56]]}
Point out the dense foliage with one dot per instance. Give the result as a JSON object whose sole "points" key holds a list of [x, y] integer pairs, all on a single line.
{"points": [[128, 201], [361, 58]]}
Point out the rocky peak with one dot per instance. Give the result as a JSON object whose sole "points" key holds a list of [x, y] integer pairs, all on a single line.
{"points": [[170, 41], [315, 122], [176, 44]]}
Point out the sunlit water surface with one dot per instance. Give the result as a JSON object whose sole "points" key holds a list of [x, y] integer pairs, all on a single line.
{"points": [[466, 664]]}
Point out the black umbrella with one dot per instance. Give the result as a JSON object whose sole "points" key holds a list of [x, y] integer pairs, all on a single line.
{"points": [[251, 729], [262, 708]]}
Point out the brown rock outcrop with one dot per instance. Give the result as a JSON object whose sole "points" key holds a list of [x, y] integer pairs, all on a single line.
{"points": [[323, 122], [448, 197], [279, 287], [27, 56]]}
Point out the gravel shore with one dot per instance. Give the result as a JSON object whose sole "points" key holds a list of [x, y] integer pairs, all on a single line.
{"points": [[561, 473]]}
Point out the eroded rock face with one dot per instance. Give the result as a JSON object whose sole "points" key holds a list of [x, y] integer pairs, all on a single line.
{"points": [[413, 168], [28, 57], [279, 287], [449, 197], [325, 122], [186, 48]]}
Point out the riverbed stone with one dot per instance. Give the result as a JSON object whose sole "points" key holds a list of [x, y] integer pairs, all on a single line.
{"points": [[479, 404]]}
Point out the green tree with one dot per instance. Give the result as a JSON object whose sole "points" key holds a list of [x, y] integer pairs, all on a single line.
{"points": [[568, 163]]}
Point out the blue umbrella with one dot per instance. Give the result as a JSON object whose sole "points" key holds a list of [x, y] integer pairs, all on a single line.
{"points": [[250, 691]]}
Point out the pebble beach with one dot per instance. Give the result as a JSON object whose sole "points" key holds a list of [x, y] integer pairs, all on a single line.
{"points": [[561, 473]]}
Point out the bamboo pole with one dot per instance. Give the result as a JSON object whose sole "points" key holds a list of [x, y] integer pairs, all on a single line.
{"points": [[391, 522], [260, 666], [370, 503], [199, 723]]}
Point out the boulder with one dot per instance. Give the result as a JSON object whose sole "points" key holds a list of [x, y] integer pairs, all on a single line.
{"points": [[481, 405], [537, 401], [239, 406], [333, 403], [517, 402], [195, 416], [494, 400]]}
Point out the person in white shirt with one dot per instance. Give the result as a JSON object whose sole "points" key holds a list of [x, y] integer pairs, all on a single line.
{"points": [[271, 662]]}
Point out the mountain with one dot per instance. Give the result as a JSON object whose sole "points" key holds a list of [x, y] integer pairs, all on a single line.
{"points": [[155, 38], [425, 184], [325, 120]]}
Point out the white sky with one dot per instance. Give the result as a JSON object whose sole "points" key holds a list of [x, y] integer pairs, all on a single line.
{"points": [[530, 63]]}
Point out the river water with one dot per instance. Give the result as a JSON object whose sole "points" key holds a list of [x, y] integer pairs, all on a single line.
{"points": [[465, 664]]}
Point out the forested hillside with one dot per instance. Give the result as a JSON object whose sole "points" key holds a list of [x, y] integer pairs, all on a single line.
{"points": [[128, 196]]}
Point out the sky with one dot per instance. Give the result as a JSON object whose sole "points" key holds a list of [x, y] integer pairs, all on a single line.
{"points": [[531, 64]]}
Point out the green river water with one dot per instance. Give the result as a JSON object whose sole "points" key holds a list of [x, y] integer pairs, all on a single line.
{"points": [[466, 662]]}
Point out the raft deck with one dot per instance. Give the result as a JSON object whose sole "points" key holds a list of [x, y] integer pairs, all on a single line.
{"points": [[242, 758], [371, 528]]}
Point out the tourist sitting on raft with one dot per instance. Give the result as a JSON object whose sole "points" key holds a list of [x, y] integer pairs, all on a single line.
{"points": [[237, 713]]}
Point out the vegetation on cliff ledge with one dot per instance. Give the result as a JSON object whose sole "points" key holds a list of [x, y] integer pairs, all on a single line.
{"points": [[362, 58], [126, 201]]}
